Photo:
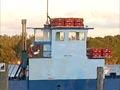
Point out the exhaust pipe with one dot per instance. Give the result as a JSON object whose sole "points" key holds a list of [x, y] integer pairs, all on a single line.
{"points": [[24, 34]]}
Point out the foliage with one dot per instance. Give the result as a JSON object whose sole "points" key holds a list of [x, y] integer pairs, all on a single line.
{"points": [[7, 48]]}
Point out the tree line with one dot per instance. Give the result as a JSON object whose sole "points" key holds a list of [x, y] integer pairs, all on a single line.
{"points": [[11, 47]]}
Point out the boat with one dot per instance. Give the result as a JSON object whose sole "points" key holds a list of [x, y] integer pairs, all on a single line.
{"points": [[60, 60]]}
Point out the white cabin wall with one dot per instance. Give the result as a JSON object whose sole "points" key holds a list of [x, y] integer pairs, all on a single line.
{"points": [[68, 61]]}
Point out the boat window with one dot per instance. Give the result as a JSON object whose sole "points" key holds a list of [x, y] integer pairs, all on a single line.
{"points": [[36, 51], [72, 35], [46, 36], [41, 35], [60, 36], [76, 36], [40, 51], [81, 36]]}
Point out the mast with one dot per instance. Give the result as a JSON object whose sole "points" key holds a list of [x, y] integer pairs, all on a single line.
{"points": [[47, 13]]}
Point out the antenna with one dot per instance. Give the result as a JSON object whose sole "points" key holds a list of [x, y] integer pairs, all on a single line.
{"points": [[47, 13]]}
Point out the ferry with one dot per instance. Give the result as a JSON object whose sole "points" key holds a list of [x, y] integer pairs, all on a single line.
{"points": [[59, 59]]}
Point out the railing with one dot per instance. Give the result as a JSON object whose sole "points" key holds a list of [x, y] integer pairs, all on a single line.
{"points": [[12, 69]]}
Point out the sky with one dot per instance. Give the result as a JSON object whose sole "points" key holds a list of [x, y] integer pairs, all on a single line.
{"points": [[102, 15]]}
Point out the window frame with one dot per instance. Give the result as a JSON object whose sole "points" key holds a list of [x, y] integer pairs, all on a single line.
{"points": [[42, 38], [77, 38], [59, 36]]}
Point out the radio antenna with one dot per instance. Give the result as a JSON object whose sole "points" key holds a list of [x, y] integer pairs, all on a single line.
{"points": [[47, 14]]}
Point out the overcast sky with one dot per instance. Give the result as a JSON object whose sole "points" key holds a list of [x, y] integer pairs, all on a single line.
{"points": [[103, 15]]}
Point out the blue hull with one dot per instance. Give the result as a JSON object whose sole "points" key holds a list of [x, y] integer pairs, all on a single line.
{"points": [[109, 84]]}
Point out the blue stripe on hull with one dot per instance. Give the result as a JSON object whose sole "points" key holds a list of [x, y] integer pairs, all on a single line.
{"points": [[63, 85], [109, 84]]}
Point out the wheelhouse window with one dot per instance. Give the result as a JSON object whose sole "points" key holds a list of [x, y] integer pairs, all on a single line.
{"points": [[81, 36], [40, 51], [72, 36], [59, 36], [39, 35], [76, 36], [42, 35], [46, 36]]}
